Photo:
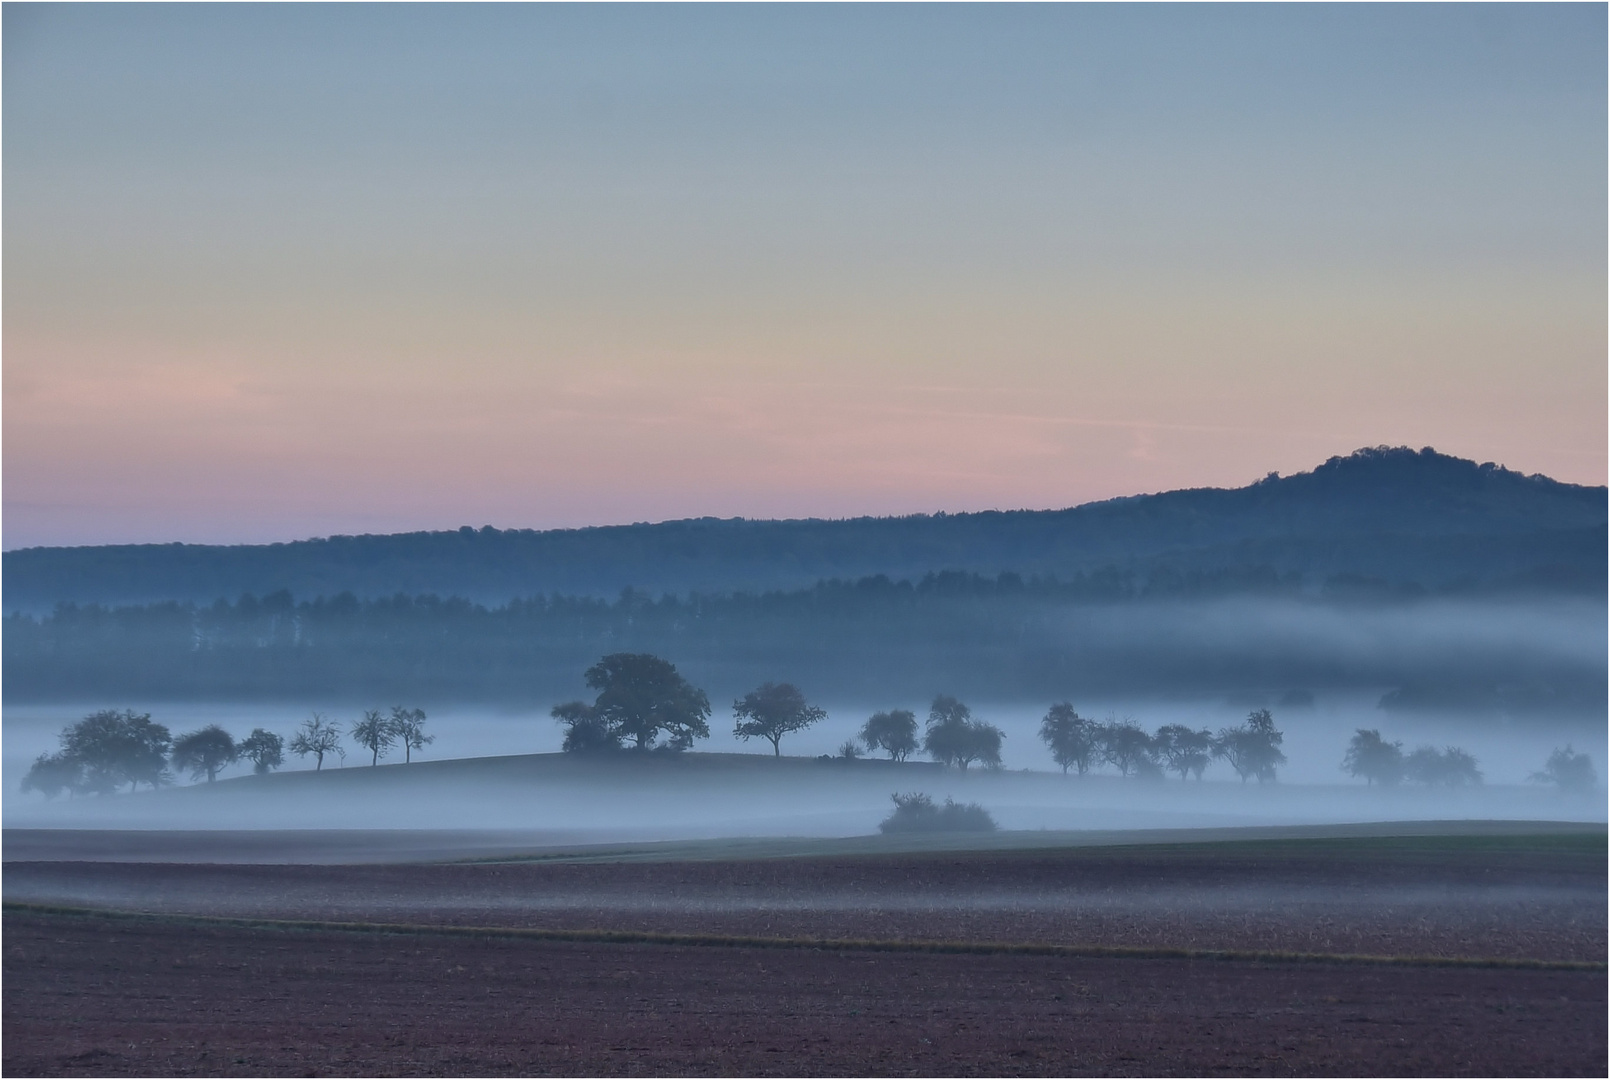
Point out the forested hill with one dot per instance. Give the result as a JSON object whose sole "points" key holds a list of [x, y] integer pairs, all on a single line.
{"points": [[1383, 518]]}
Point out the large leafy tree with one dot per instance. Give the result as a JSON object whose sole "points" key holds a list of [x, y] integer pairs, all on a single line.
{"points": [[1373, 758], [1129, 748], [1184, 750], [264, 749], [113, 748], [1252, 748], [1569, 771], [954, 737], [204, 752], [1070, 738], [772, 711], [642, 697], [893, 732], [1451, 767]]}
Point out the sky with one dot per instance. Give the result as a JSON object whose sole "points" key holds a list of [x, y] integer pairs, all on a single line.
{"points": [[290, 270]]}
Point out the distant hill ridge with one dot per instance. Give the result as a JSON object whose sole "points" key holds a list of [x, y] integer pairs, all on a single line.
{"points": [[1390, 515]]}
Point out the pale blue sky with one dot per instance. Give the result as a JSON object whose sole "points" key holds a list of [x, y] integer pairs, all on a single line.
{"points": [[378, 267]]}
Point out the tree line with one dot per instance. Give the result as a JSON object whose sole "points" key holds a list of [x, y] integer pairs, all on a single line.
{"points": [[1001, 636], [1377, 761], [644, 704], [110, 748]]}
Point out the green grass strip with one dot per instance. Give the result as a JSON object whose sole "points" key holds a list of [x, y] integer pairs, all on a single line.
{"points": [[738, 941]]}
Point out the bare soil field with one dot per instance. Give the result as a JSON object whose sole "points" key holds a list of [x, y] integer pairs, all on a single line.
{"points": [[1539, 896], [86, 993], [89, 997]]}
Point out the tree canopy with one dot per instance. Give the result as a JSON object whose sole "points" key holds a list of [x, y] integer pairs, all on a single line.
{"points": [[1184, 750], [894, 732], [954, 737], [1253, 748], [1373, 758], [1070, 738], [205, 752], [264, 749], [640, 698], [1569, 771], [317, 736], [772, 711]]}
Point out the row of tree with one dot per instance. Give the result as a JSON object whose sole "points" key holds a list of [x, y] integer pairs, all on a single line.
{"points": [[642, 699], [996, 637], [107, 749], [1252, 748], [644, 703], [1381, 762]]}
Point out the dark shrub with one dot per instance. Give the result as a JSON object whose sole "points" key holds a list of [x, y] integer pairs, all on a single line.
{"points": [[916, 812]]}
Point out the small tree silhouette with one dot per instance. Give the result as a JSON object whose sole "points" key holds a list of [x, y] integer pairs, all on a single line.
{"points": [[772, 711], [318, 736], [1568, 771], [374, 733], [893, 732], [1373, 758], [264, 749], [204, 752], [408, 727]]}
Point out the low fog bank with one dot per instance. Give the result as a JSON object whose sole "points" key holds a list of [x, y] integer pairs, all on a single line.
{"points": [[1507, 750], [988, 639], [664, 797]]}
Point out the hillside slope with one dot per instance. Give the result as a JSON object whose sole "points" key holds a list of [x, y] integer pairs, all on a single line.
{"points": [[1397, 515]]}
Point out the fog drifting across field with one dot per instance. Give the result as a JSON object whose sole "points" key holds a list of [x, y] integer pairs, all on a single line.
{"points": [[1377, 648], [1315, 736], [568, 799]]}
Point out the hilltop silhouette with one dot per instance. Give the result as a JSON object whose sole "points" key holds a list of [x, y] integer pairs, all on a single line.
{"points": [[1378, 519]]}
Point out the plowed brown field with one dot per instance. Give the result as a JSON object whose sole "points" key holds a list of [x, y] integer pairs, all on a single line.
{"points": [[90, 995]]}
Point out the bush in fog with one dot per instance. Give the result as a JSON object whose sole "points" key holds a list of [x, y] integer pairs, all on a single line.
{"points": [[1070, 738], [1568, 771], [408, 727], [955, 738], [1451, 767], [102, 752], [1126, 747], [374, 733], [641, 697], [1184, 750], [203, 753], [1373, 758], [264, 749], [317, 736], [893, 732], [916, 812], [849, 750], [1253, 748], [772, 711]]}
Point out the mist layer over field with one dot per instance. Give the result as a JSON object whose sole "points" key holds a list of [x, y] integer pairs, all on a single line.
{"points": [[1507, 681], [566, 800]]}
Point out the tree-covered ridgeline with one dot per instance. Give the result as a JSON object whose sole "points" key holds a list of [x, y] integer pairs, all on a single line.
{"points": [[1381, 517], [1003, 637]]}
